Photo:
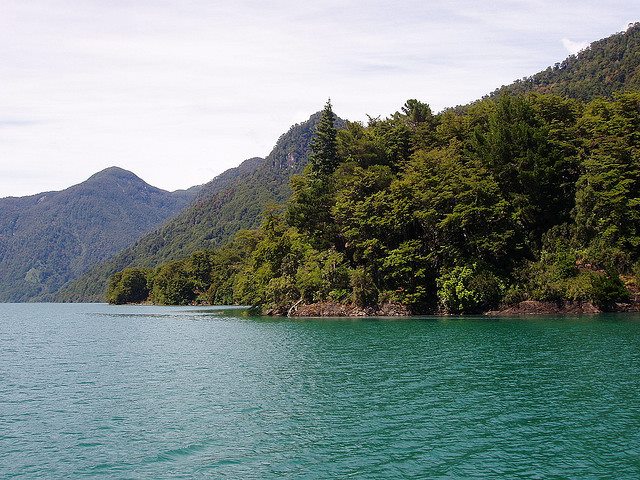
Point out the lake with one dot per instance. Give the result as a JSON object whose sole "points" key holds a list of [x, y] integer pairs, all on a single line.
{"points": [[94, 390]]}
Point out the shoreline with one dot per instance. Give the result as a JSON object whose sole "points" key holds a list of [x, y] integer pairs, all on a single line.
{"points": [[523, 308], [328, 309]]}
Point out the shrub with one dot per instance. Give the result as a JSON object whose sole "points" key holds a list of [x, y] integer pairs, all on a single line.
{"points": [[636, 272], [602, 289], [281, 293], [172, 285], [468, 289], [363, 289], [608, 256], [607, 289], [128, 286]]}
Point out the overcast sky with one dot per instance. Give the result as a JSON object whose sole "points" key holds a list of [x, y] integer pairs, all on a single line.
{"points": [[180, 90]]}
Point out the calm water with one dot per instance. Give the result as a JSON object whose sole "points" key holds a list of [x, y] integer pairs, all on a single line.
{"points": [[146, 392]]}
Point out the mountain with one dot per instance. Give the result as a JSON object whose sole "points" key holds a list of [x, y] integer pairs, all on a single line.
{"points": [[232, 201], [604, 67], [526, 202], [49, 238], [236, 199]]}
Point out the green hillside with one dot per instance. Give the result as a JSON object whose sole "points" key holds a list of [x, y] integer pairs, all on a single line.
{"points": [[50, 238], [232, 201], [525, 195], [607, 66], [529, 197], [604, 67]]}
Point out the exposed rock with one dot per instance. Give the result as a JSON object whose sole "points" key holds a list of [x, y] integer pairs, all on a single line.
{"points": [[334, 309], [628, 307], [634, 296], [534, 307]]}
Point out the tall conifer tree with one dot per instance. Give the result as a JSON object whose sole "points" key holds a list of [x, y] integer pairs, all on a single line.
{"points": [[324, 151]]}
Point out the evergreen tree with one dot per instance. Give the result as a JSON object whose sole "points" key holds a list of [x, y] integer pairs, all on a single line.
{"points": [[324, 150], [416, 112], [312, 195]]}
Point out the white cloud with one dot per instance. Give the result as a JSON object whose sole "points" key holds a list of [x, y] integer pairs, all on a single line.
{"points": [[625, 26], [180, 91], [574, 47]]}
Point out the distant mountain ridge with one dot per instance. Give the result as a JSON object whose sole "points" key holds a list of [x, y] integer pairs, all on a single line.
{"points": [[234, 200], [49, 238], [604, 67]]}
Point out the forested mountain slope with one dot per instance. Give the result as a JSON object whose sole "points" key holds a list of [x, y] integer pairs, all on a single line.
{"points": [[606, 66], [232, 201], [524, 198], [50, 238]]}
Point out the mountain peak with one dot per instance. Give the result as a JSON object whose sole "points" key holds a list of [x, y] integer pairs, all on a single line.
{"points": [[50, 238], [115, 173]]}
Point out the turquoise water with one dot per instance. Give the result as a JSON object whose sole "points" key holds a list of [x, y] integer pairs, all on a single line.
{"points": [[146, 392]]}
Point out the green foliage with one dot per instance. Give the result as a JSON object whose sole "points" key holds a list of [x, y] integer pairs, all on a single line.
{"points": [[456, 212], [360, 145], [406, 269], [309, 207], [607, 212], [561, 274], [322, 275], [604, 67], [128, 286], [546, 159], [50, 238], [227, 263], [173, 285], [468, 289], [519, 197], [324, 151], [233, 201], [361, 210], [524, 146], [417, 113], [635, 271], [363, 288], [606, 290], [456, 208]]}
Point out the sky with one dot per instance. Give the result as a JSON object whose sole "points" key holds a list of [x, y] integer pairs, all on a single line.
{"points": [[178, 91]]}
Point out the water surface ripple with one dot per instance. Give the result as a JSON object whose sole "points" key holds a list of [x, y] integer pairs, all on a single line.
{"points": [[147, 392]]}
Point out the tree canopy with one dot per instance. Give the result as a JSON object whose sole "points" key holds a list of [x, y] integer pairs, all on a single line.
{"points": [[518, 197]]}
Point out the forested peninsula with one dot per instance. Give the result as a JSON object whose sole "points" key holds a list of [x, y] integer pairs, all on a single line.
{"points": [[518, 198]]}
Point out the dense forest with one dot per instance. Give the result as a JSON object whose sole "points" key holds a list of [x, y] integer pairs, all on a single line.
{"points": [[50, 238], [531, 193], [237, 199], [232, 201], [606, 66], [529, 196]]}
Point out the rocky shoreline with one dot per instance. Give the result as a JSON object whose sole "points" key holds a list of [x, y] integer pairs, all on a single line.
{"points": [[335, 309], [393, 309], [526, 307], [534, 307]]}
